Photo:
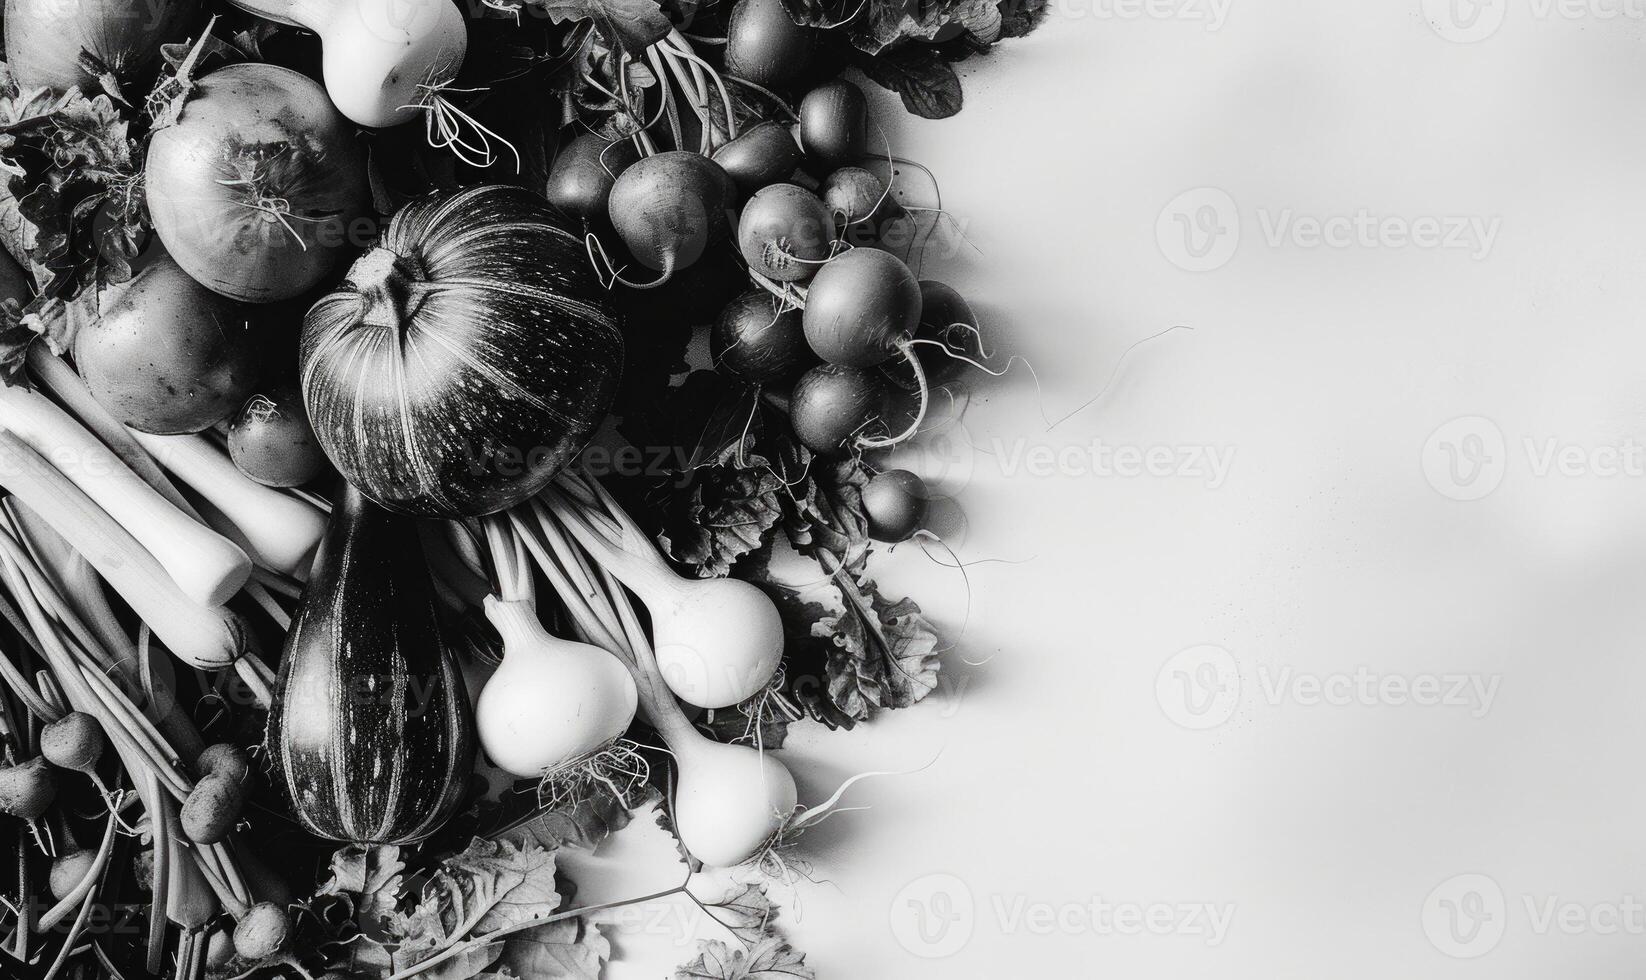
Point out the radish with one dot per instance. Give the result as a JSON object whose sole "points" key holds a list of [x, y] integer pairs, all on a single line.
{"points": [[218, 797], [765, 46], [785, 233], [383, 60], [718, 641], [27, 788], [263, 930], [580, 182], [853, 194], [862, 307], [763, 154], [832, 403], [271, 441], [69, 870], [74, 741], [759, 339], [668, 208], [553, 703], [895, 502], [834, 124]]}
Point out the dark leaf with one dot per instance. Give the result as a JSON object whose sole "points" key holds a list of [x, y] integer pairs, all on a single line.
{"points": [[927, 83]]}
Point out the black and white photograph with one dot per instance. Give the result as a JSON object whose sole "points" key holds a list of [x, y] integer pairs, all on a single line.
{"points": [[822, 489]]}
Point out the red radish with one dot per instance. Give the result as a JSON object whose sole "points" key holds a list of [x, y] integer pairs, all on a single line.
{"points": [[832, 403], [255, 189], [785, 233], [668, 208], [271, 441], [69, 870], [27, 789], [765, 153], [895, 502], [862, 307], [834, 124], [262, 931], [580, 182], [946, 319], [74, 741], [759, 339], [853, 194], [765, 46]]}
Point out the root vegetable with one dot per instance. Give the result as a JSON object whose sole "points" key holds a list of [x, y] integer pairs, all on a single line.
{"points": [[759, 340], [785, 233], [668, 208], [74, 741], [69, 870], [580, 182], [895, 502], [834, 124], [271, 441], [765, 46], [763, 154], [833, 403], [27, 788]]}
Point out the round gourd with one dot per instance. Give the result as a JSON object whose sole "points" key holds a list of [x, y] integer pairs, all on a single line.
{"points": [[465, 359]]}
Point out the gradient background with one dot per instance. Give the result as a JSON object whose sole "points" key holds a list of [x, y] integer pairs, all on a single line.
{"points": [[1336, 833]]}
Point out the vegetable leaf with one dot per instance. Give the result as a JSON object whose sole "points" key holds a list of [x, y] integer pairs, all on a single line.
{"points": [[747, 912], [770, 959], [927, 83], [570, 948], [885, 654], [632, 25]]}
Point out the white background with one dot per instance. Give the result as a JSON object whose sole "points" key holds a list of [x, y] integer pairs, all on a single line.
{"points": [[1334, 543]]}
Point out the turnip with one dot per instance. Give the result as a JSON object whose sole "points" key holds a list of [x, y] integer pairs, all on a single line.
{"points": [[862, 307], [553, 703], [895, 502], [832, 403], [765, 46], [383, 60], [763, 154], [730, 801], [718, 641], [759, 339], [834, 124], [785, 233], [580, 182], [27, 788], [668, 208], [271, 441]]}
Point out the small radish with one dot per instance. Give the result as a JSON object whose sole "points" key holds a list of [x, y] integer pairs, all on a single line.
{"points": [[263, 930], [212, 808], [765, 46], [669, 208], [895, 502], [224, 759], [271, 441], [69, 870], [862, 307], [74, 741], [759, 339], [27, 788], [853, 194], [580, 182], [834, 124], [763, 154], [785, 233], [831, 403]]}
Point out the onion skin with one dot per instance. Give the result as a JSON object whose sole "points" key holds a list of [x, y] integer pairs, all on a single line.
{"points": [[765, 46], [256, 144], [370, 734], [169, 356], [44, 39], [465, 359]]}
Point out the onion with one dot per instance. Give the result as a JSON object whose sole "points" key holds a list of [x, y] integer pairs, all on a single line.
{"points": [[465, 359], [254, 187], [45, 40]]}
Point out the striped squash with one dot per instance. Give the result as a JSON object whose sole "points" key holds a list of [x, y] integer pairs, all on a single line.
{"points": [[370, 733]]}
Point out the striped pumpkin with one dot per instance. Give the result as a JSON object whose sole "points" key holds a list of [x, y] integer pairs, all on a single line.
{"points": [[370, 733]]}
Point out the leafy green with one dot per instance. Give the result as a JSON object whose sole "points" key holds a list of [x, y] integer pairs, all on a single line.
{"points": [[632, 25], [925, 81], [770, 959]]}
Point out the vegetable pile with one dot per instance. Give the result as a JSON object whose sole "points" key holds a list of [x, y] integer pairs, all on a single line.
{"points": [[434, 438]]}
